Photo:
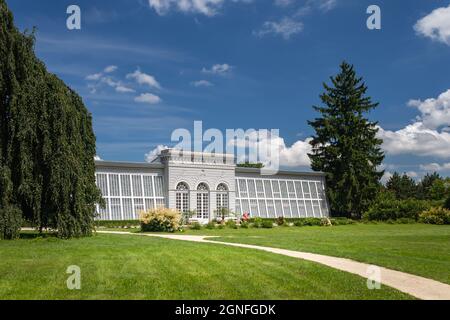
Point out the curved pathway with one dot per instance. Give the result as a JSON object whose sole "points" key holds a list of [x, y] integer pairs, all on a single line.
{"points": [[416, 286]]}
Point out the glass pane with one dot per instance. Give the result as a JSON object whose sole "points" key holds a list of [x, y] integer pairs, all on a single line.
{"points": [[262, 208], [309, 209], [102, 184], [159, 192], [128, 209], [278, 208], [291, 189], [115, 208], [306, 190], [298, 186], [259, 189], [284, 193], [137, 186], [294, 207], [148, 186], [126, 185], [114, 185], [314, 194], [251, 188], [268, 187]]}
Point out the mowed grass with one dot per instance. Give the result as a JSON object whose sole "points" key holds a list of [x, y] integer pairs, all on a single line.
{"points": [[414, 248], [136, 267]]}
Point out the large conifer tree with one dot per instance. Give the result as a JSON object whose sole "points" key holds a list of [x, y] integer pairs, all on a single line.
{"points": [[345, 145], [47, 145]]}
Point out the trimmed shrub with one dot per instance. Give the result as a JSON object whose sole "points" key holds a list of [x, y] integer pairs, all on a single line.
{"points": [[257, 222], [244, 225], [210, 226], [118, 224], [435, 215], [10, 223], [160, 220], [341, 221], [196, 226], [231, 224], [267, 224], [391, 209]]}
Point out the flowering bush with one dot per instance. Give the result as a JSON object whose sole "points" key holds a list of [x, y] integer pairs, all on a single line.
{"points": [[435, 215], [160, 220]]}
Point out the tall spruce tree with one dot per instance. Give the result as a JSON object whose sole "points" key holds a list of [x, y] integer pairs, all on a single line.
{"points": [[47, 145], [345, 145], [403, 187]]}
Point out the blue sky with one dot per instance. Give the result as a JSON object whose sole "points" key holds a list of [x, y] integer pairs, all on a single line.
{"points": [[250, 64]]}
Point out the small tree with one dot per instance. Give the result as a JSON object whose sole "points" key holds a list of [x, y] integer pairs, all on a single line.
{"points": [[403, 187]]}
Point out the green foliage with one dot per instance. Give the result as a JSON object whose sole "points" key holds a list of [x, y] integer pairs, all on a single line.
{"points": [[346, 146], [425, 185], [308, 222], [341, 221], [210, 226], [231, 224], [386, 207], [160, 220], [440, 189], [257, 222], [244, 225], [10, 222], [47, 145], [118, 223], [250, 165], [435, 215], [195, 226], [403, 187], [267, 224], [447, 203]]}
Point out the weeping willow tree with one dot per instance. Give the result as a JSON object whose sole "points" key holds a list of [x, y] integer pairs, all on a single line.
{"points": [[47, 145]]}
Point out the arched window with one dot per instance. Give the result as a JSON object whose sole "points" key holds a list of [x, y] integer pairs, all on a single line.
{"points": [[182, 197], [202, 201], [222, 197]]}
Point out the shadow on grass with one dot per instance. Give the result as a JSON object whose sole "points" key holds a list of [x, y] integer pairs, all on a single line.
{"points": [[36, 235]]}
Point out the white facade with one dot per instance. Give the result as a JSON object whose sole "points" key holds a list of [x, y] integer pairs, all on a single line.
{"points": [[204, 183]]}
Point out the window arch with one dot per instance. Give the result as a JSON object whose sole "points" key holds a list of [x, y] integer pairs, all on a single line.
{"points": [[202, 201], [222, 198], [182, 197]]}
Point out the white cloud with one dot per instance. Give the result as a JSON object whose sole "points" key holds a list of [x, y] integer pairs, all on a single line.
{"points": [[144, 79], [286, 28], [97, 158], [152, 155], [435, 112], [326, 5], [436, 25], [148, 98], [416, 139], [435, 167], [94, 77], [289, 156], [124, 89], [428, 135], [202, 83], [110, 69], [205, 7], [385, 178], [219, 69]]}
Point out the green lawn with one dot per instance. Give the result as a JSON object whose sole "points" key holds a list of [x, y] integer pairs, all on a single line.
{"points": [[132, 267], [415, 248]]}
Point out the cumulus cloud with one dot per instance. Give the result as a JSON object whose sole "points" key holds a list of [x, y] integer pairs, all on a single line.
{"points": [[435, 112], [416, 139], [202, 83], [152, 155], [144, 79], [219, 69], [148, 98], [295, 155], [94, 77], [435, 25], [286, 28]]}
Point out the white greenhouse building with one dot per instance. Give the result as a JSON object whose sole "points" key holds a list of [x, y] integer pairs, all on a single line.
{"points": [[203, 183]]}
